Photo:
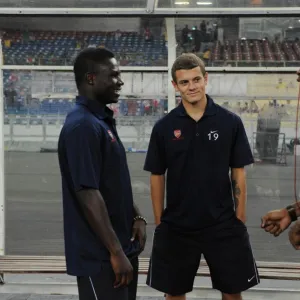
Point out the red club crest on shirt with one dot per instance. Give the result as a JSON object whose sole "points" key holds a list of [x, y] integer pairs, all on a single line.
{"points": [[177, 133]]}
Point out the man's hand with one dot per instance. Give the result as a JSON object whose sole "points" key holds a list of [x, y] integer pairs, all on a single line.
{"points": [[139, 233], [298, 73], [122, 269], [276, 221], [294, 235]]}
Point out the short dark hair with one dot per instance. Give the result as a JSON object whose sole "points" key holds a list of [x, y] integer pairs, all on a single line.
{"points": [[87, 59], [187, 61]]}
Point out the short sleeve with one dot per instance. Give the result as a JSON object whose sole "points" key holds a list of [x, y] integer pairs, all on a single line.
{"points": [[155, 158], [241, 154], [83, 151]]}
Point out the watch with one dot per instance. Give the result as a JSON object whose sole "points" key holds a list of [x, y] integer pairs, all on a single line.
{"points": [[292, 212], [140, 218]]}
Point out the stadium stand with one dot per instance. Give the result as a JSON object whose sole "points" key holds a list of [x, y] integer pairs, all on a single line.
{"points": [[131, 48], [257, 51], [60, 48]]}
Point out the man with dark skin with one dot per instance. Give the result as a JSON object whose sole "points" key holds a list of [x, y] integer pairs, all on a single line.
{"points": [[277, 221], [104, 231]]}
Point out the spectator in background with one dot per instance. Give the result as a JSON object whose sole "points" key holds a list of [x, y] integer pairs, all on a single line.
{"points": [[203, 26], [25, 36], [210, 31], [185, 35], [118, 35], [7, 42], [147, 34], [79, 44], [237, 108], [147, 107], [155, 106], [206, 56], [20, 102], [245, 108], [165, 35], [10, 96], [282, 111], [197, 38], [253, 107]]}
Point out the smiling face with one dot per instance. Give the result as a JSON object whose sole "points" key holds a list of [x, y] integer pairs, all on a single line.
{"points": [[191, 84], [107, 82], [189, 78]]}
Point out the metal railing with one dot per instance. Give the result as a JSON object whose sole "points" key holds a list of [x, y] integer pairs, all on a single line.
{"points": [[134, 131]]}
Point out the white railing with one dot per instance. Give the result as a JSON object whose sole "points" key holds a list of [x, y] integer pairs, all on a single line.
{"points": [[169, 12], [43, 131], [158, 69]]}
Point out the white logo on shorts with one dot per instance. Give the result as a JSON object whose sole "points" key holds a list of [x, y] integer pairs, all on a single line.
{"points": [[251, 278]]}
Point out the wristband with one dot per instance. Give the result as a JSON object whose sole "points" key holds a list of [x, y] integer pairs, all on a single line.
{"points": [[140, 218], [292, 213]]}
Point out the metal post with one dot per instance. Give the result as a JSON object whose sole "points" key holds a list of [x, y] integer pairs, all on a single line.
{"points": [[11, 129], [170, 24], [2, 187], [44, 128]]}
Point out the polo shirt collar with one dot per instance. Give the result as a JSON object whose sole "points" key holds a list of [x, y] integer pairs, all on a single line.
{"points": [[95, 107], [210, 109]]}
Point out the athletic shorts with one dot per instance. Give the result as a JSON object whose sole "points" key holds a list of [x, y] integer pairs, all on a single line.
{"points": [[176, 256], [100, 287]]}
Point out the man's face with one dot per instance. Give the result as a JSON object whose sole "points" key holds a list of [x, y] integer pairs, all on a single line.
{"points": [[191, 85], [107, 82]]}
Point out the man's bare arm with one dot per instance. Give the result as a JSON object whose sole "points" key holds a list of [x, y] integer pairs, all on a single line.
{"points": [[136, 210], [95, 211], [157, 183], [239, 189]]}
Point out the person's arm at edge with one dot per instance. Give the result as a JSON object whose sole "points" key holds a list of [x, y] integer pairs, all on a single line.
{"points": [[296, 207], [157, 183], [95, 211], [139, 227], [156, 164], [136, 211], [239, 190], [241, 156]]}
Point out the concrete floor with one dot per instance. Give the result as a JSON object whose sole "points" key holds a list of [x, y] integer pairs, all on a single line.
{"points": [[34, 224], [34, 214]]}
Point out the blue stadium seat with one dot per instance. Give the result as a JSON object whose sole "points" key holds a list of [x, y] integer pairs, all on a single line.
{"points": [[57, 48]]}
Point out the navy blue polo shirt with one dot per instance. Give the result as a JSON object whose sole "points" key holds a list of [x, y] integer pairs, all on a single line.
{"points": [[92, 156], [197, 157]]}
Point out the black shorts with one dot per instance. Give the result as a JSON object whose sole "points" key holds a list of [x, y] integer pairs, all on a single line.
{"points": [[176, 256], [100, 287]]}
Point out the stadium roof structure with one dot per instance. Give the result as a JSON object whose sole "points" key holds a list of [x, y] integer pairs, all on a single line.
{"points": [[143, 3], [155, 7]]}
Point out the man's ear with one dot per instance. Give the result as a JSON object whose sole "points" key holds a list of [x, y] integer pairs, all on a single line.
{"points": [[206, 78], [175, 86], [90, 78]]}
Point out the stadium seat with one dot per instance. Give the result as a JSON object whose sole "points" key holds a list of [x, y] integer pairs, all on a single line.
{"points": [[60, 48]]}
